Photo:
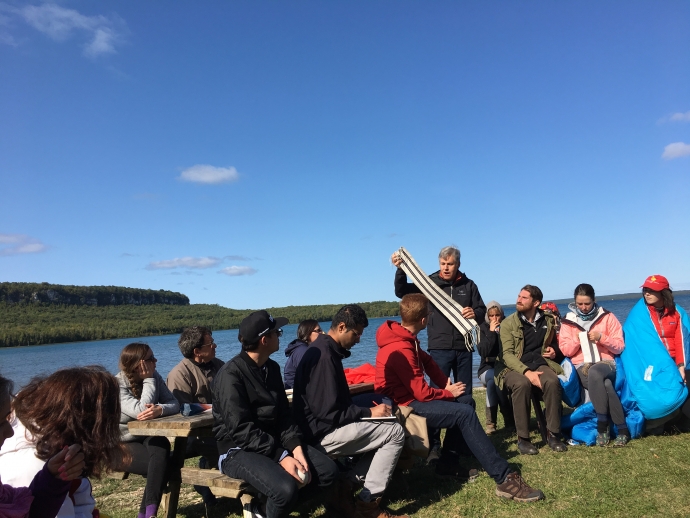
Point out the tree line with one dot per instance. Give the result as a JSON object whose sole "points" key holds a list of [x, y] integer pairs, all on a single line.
{"points": [[49, 323], [58, 294]]}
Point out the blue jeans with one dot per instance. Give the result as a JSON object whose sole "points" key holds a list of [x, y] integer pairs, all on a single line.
{"points": [[462, 426], [270, 479], [459, 363]]}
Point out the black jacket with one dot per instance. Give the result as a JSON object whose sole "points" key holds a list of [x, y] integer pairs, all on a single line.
{"points": [[321, 399], [488, 348], [442, 334], [251, 410]]}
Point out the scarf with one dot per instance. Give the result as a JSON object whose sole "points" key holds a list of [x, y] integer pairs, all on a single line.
{"points": [[440, 299], [588, 316]]}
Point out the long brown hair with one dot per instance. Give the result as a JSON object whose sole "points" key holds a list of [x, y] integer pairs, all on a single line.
{"points": [[79, 405], [130, 359]]}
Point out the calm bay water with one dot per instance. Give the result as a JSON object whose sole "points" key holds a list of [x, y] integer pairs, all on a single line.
{"points": [[22, 363]]}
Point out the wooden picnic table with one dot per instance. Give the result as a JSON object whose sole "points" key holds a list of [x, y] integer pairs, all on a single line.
{"points": [[181, 427]]}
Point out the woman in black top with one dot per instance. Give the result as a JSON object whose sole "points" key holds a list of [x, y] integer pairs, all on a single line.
{"points": [[489, 347]]}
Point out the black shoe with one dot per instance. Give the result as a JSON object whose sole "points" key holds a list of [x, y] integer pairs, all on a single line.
{"points": [[555, 443], [456, 471], [526, 447], [433, 457]]}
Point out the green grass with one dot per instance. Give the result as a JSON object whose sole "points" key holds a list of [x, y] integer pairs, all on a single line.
{"points": [[649, 477]]}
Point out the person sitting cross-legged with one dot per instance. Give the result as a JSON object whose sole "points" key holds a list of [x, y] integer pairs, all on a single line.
{"points": [[400, 368], [257, 438]]}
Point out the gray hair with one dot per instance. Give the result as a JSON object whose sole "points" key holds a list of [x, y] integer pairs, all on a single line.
{"points": [[448, 251], [191, 338]]}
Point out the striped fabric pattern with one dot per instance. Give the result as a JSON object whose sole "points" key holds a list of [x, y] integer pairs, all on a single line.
{"points": [[440, 299]]}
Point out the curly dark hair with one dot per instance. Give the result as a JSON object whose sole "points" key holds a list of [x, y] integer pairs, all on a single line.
{"points": [[191, 338], [79, 405]]}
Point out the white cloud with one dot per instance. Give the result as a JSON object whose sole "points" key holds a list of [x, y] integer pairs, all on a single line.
{"points": [[103, 33], [184, 262], [209, 174], [680, 117], [676, 150], [16, 244], [234, 271]]}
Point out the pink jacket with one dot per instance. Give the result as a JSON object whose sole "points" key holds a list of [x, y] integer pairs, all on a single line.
{"points": [[606, 323]]}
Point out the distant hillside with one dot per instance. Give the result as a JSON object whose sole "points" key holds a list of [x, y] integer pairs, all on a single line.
{"points": [[33, 324], [58, 294]]}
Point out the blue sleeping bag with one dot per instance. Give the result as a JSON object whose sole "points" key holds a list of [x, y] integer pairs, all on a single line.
{"points": [[581, 425], [652, 375]]}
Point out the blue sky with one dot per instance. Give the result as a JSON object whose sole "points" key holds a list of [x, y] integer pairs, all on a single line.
{"points": [[256, 154]]}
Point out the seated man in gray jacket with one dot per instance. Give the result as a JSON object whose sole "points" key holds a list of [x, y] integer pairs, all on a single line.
{"points": [[190, 382]]}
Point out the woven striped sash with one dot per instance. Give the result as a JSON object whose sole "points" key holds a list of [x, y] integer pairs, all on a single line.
{"points": [[440, 299]]}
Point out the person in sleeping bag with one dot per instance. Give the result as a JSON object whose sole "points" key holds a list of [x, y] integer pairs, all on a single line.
{"points": [[604, 335], [657, 337]]}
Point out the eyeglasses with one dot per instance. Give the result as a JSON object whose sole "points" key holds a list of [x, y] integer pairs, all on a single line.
{"points": [[212, 344], [355, 332], [152, 359], [317, 330]]}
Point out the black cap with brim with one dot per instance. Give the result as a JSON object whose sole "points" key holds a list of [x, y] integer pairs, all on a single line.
{"points": [[257, 324]]}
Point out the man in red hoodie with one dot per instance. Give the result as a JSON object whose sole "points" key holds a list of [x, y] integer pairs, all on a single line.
{"points": [[400, 368]]}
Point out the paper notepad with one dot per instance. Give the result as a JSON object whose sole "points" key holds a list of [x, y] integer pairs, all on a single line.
{"points": [[589, 349]]}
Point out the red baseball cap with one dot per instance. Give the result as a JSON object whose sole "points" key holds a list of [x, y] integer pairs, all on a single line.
{"points": [[656, 283]]}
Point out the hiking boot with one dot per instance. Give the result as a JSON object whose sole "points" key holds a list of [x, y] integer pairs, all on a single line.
{"points": [[340, 500], [456, 471], [555, 442], [603, 438], [620, 441], [372, 510], [491, 415], [526, 448], [433, 457], [515, 488]]}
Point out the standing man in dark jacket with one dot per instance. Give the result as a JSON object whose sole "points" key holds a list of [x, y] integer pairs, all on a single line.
{"points": [[323, 408], [445, 343], [257, 438]]}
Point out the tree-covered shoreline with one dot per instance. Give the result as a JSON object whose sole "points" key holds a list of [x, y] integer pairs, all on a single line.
{"points": [[39, 323]]}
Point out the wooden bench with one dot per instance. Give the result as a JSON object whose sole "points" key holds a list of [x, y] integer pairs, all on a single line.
{"points": [[219, 484], [178, 428]]}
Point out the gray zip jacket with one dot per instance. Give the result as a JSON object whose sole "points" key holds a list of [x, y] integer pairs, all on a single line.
{"points": [[154, 391]]}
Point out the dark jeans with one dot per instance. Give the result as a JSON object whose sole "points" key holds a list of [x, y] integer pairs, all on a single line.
{"points": [[520, 389], [462, 426], [150, 457], [269, 478], [459, 363], [600, 381]]}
